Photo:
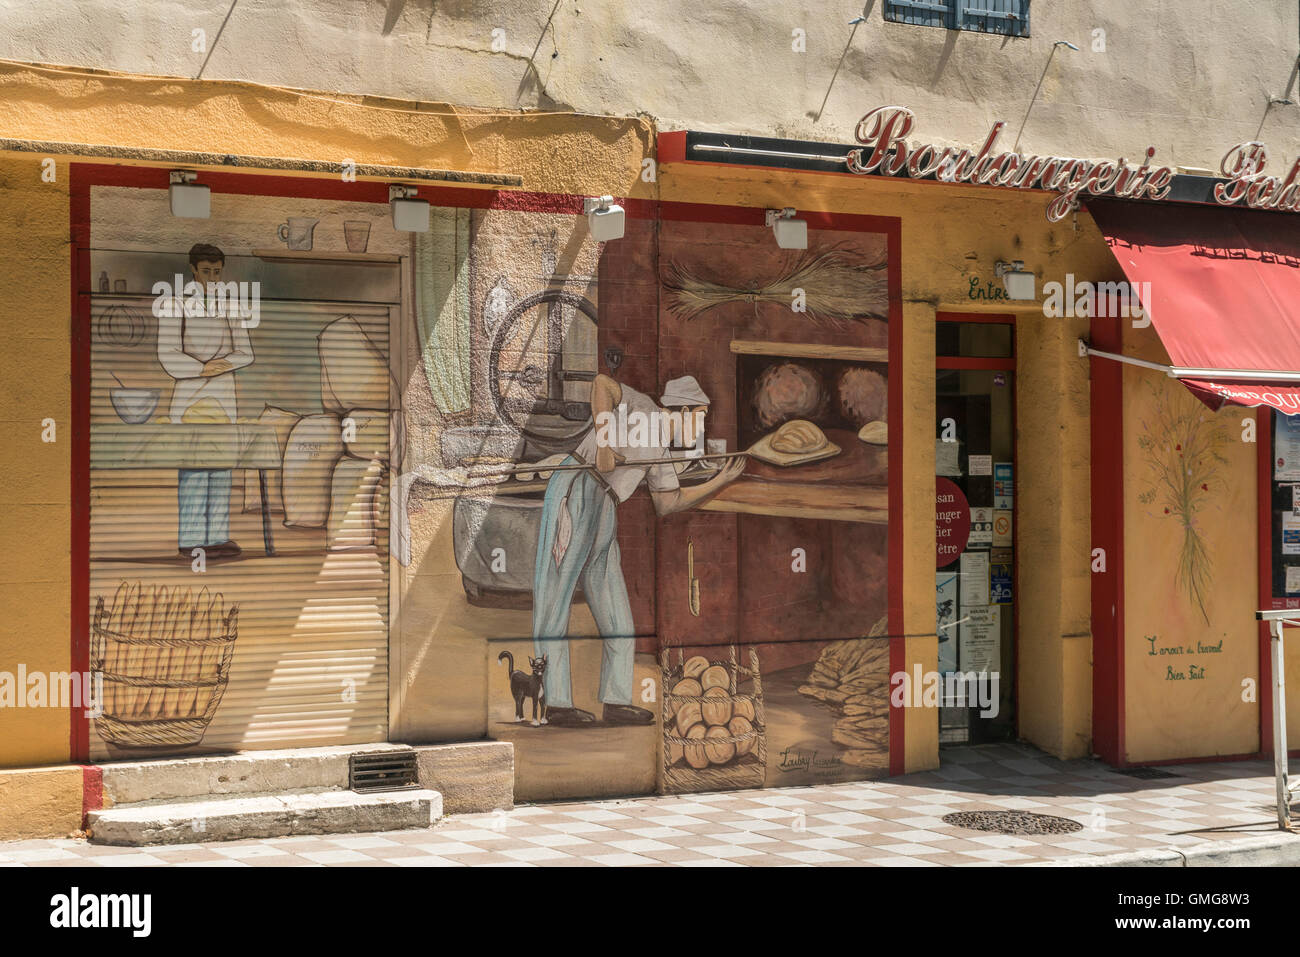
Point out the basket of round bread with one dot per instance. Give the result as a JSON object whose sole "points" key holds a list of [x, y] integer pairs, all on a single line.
{"points": [[714, 736]]}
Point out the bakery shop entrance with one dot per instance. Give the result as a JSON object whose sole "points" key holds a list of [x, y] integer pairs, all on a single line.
{"points": [[975, 611]]}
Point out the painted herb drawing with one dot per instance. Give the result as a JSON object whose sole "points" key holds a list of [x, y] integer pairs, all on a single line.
{"points": [[1182, 442]]}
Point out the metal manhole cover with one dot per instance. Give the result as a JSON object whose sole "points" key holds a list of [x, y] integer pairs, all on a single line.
{"points": [[1012, 822]]}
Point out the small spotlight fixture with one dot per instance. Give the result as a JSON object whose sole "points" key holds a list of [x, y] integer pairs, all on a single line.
{"points": [[605, 218], [790, 233], [188, 199], [1018, 283], [409, 215]]}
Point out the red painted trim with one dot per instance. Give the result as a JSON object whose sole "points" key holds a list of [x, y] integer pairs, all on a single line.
{"points": [[92, 790], [1006, 364], [1107, 478], [671, 147], [1264, 532], [893, 228], [79, 429]]}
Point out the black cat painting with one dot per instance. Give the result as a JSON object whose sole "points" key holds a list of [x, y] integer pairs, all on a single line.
{"points": [[524, 685]]}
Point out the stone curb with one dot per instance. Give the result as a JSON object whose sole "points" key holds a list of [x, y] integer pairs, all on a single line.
{"points": [[1281, 849]]}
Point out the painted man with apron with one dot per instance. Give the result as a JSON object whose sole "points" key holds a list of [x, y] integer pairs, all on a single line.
{"points": [[201, 352], [578, 540]]}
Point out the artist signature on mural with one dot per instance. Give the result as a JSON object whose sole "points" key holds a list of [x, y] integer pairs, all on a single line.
{"points": [[795, 760]]}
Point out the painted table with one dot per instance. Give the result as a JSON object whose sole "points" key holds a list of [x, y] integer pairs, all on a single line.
{"points": [[165, 445]]}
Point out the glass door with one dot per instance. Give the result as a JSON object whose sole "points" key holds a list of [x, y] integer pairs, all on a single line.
{"points": [[975, 478]]}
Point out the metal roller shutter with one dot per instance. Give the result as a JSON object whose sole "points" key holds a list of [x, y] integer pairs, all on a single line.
{"points": [[308, 663]]}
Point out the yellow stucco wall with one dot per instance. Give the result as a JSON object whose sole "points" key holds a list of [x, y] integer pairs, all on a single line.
{"points": [[40, 802], [34, 371], [1187, 650]]}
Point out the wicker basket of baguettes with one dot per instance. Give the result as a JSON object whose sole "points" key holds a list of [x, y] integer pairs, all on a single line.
{"points": [[714, 735]]}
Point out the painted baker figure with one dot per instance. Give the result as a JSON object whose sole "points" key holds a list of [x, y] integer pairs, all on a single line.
{"points": [[630, 439]]}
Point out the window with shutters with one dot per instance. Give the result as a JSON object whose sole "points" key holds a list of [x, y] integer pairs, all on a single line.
{"points": [[1004, 17]]}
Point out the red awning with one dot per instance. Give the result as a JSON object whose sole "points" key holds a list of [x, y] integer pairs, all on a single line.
{"points": [[1224, 295]]}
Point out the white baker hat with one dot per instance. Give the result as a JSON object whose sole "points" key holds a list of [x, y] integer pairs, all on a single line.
{"points": [[683, 390]]}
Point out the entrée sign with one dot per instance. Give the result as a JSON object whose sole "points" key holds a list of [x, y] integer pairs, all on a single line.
{"points": [[884, 149]]}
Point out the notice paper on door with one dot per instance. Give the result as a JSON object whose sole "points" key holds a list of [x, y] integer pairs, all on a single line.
{"points": [[981, 639], [974, 578], [945, 615], [1290, 533], [980, 464], [1292, 579]]}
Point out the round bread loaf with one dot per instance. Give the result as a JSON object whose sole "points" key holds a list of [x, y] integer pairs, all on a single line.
{"points": [[695, 666], [862, 395], [787, 391], [716, 706], [718, 747], [714, 676], [674, 753], [688, 716], [797, 437], [688, 688], [693, 750], [738, 727]]}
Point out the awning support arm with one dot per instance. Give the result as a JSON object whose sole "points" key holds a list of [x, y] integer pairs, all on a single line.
{"points": [[1183, 372]]}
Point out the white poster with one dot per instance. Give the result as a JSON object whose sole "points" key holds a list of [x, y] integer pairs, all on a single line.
{"points": [[1292, 579], [1286, 448], [974, 578], [981, 464], [945, 459], [981, 639], [945, 606], [981, 528]]}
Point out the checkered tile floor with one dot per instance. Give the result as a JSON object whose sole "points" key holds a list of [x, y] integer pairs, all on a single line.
{"points": [[885, 823]]}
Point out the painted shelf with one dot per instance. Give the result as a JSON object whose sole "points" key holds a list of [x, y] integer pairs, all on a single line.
{"points": [[325, 256]]}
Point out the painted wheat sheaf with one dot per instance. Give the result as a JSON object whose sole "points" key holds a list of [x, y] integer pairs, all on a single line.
{"points": [[838, 286]]}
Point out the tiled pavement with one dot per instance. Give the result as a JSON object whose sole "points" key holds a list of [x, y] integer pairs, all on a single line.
{"points": [[880, 823]]}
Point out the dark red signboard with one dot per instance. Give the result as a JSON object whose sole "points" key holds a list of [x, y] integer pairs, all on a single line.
{"points": [[951, 521]]}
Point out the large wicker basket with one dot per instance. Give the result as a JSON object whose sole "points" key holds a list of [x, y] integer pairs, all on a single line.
{"points": [[746, 771], [164, 659]]}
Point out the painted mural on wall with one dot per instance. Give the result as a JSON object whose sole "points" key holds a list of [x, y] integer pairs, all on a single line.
{"points": [[1190, 573], [240, 460], [648, 514]]}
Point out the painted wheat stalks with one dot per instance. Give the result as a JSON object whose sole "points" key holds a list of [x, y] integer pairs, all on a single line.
{"points": [[1182, 442], [838, 287]]}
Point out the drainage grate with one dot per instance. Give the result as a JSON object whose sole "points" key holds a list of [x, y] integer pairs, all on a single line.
{"points": [[382, 771], [1146, 774], [1012, 822]]}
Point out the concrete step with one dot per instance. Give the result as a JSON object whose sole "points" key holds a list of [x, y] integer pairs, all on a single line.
{"points": [[247, 772], [263, 815]]}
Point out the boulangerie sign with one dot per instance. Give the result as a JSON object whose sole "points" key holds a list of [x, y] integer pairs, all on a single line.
{"points": [[883, 131]]}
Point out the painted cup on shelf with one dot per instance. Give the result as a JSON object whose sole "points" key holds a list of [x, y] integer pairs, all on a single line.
{"points": [[297, 232], [356, 233]]}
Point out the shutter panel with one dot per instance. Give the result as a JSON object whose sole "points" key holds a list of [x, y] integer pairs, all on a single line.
{"points": [[926, 13], [1004, 17], [309, 663]]}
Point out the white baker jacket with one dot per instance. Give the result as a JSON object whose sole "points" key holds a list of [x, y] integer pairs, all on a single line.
{"points": [[186, 342]]}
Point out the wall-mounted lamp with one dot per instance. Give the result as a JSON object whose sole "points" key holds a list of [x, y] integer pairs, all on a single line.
{"points": [[605, 218], [1018, 283], [790, 233], [409, 215], [187, 198]]}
